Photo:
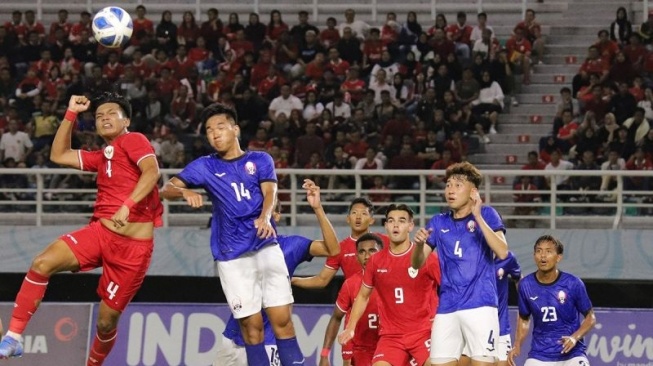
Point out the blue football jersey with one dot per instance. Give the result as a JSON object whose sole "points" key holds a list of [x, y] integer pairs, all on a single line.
{"points": [[466, 260], [557, 309], [295, 250], [506, 269], [234, 187]]}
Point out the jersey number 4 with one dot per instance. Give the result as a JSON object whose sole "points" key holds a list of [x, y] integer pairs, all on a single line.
{"points": [[457, 250], [241, 192]]}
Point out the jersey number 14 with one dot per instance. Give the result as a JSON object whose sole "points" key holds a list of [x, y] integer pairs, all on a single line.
{"points": [[241, 192]]}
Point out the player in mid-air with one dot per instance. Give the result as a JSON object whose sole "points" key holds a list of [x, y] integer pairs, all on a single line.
{"points": [[296, 249], [562, 312], [359, 218], [507, 270], [119, 237], [242, 186], [366, 334], [467, 238], [404, 295]]}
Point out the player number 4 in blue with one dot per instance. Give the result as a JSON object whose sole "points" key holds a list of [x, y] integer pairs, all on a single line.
{"points": [[241, 192], [457, 250]]}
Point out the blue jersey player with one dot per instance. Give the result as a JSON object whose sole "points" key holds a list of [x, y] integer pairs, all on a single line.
{"points": [[296, 249], [561, 310], [467, 238], [242, 186]]}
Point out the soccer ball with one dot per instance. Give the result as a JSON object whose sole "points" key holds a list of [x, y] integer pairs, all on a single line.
{"points": [[112, 27]]}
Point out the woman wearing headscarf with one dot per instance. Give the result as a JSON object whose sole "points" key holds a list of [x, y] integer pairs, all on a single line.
{"points": [[621, 28]]}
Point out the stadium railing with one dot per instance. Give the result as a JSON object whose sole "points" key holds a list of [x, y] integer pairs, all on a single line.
{"points": [[40, 205]]}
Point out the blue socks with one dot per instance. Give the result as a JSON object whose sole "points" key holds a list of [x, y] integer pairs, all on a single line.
{"points": [[256, 354], [289, 352]]}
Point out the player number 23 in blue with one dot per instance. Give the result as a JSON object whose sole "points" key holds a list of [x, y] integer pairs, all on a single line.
{"points": [[241, 191], [549, 314]]}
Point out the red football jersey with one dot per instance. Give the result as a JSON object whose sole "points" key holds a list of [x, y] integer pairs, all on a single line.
{"points": [[366, 334], [346, 259], [407, 299], [118, 173]]}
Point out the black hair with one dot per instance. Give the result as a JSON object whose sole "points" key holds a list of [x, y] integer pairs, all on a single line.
{"points": [[370, 237], [399, 207], [533, 153], [363, 201], [461, 14], [560, 248], [141, 7], [218, 109], [481, 14], [111, 97]]}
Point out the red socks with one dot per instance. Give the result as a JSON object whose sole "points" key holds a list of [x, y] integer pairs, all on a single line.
{"points": [[102, 345], [28, 300]]}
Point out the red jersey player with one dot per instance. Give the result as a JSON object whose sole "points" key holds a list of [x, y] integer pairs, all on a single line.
{"points": [[119, 237], [360, 218], [367, 333], [405, 296]]}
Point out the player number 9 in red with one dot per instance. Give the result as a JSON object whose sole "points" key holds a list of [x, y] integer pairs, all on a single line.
{"points": [[399, 295]]}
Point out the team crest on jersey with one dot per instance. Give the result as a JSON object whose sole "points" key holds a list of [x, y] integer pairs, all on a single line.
{"points": [[250, 168], [412, 272], [562, 297], [236, 305], [108, 152], [471, 226], [500, 273]]}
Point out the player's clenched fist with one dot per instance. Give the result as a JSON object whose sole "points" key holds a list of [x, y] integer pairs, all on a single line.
{"points": [[78, 103], [421, 236], [193, 199], [346, 336]]}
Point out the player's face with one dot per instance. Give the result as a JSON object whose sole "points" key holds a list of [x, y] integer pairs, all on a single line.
{"points": [[110, 120], [398, 225], [546, 257], [359, 218], [458, 192], [222, 133], [366, 249]]}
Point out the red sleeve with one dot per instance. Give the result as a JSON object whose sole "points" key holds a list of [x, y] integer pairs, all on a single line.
{"points": [[344, 300], [89, 160], [370, 270], [137, 147], [334, 262]]}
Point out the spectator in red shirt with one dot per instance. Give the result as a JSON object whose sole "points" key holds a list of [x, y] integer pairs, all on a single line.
{"points": [[437, 181], [276, 27], [566, 136], [29, 25], [528, 195], [607, 48], [315, 69], [534, 163], [533, 33], [212, 28], [353, 87], [593, 64], [140, 67], [182, 112], [598, 105], [390, 30], [459, 33], [356, 147], [372, 50], [188, 31], [307, 145], [77, 28], [141, 25], [458, 147], [519, 53], [240, 45], [181, 63], [61, 23], [16, 20], [330, 36], [260, 142], [166, 86], [638, 161], [270, 86], [636, 52], [336, 64], [43, 65], [113, 69]]}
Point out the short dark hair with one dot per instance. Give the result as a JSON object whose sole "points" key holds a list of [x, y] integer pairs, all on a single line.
{"points": [[141, 7], [218, 109], [303, 12], [111, 97], [560, 248], [363, 201], [565, 90], [466, 169], [481, 14], [603, 31], [370, 237], [461, 14], [399, 207], [533, 153]]}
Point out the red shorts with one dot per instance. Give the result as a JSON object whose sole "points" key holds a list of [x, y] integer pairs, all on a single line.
{"points": [[398, 349], [124, 261], [347, 351], [363, 356]]}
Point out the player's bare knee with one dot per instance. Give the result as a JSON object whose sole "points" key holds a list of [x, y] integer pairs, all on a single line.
{"points": [[43, 265], [106, 325]]}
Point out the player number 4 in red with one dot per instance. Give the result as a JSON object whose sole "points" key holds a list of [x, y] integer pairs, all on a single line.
{"points": [[112, 289]]}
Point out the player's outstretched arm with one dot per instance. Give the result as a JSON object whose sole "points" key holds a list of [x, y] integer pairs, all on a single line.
{"points": [[176, 188], [421, 251], [315, 282], [495, 239], [523, 325], [329, 246], [330, 335], [61, 152], [357, 311], [568, 343]]}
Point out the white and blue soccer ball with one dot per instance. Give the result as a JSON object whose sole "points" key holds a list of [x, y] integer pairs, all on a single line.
{"points": [[112, 27]]}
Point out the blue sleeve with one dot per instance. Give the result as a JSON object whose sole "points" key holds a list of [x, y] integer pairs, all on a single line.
{"points": [[193, 174], [266, 172], [492, 218], [522, 300], [583, 302], [432, 240], [295, 250], [513, 269]]}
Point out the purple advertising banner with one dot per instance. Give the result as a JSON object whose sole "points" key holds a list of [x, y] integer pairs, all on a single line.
{"points": [[190, 334], [57, 335]]}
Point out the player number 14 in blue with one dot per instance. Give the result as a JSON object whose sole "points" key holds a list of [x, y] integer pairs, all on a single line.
{"points": [[241, 192]]}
